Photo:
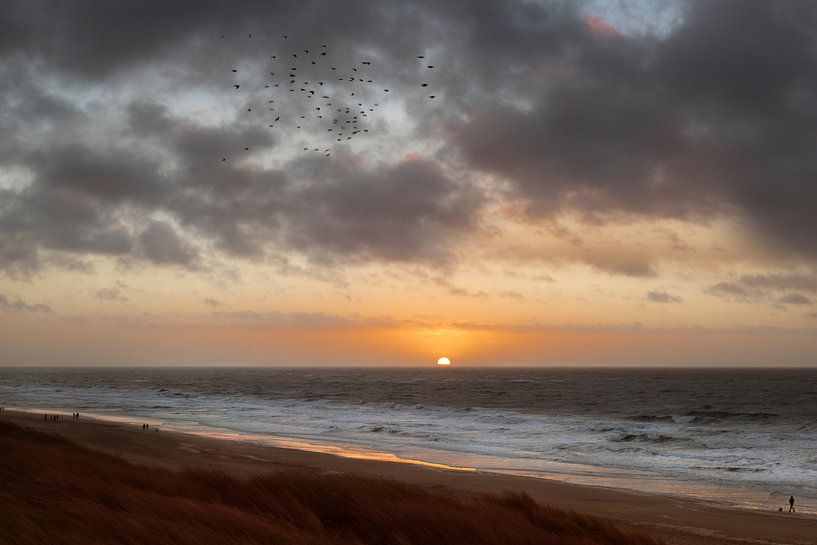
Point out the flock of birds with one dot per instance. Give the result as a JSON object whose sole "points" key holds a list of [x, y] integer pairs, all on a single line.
{"points": [[305, 88]]}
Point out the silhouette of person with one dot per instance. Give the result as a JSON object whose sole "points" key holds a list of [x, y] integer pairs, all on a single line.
{"points": [[791, 504]]}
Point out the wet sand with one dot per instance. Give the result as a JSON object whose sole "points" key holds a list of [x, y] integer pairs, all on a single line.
{"points": [[677, 521]]}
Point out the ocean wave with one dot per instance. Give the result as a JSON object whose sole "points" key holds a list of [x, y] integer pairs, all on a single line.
{"points": [[710, 415], [647, 438], [652, 418], [732, 469]]}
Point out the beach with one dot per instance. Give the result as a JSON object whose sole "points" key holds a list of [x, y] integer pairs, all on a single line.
{"points": [[677, 521], [740, 438]]}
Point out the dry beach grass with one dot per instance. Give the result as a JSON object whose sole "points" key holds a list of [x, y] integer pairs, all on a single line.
{"points": [[57, 492]]}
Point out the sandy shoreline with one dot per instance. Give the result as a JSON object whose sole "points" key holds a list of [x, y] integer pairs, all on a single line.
{"points": [[678, 521]]}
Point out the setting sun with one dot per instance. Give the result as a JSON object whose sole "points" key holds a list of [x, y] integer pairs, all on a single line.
{"points": [[443, 361]]}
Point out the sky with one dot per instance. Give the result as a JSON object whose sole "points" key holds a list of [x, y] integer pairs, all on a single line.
{"points": [[608, 182]]}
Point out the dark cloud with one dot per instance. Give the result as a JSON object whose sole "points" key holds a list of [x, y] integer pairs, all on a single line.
{"points": [[102, 200], [719, 111], [621, 262], [92, 38], [405, 211], [21, 306], [109, 176], [209, 301], [787, 281], [776, 287], [63, 220], [409, 210], [160, 244], [729, 290], [663, 297], [511, 294], [299, 320], [112, 294], [794, 299], [715, 114]]}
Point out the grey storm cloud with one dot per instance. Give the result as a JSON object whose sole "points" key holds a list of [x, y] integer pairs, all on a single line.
{"points": [[511, 294], [730, 290], [779, 288], [789, 281], [117, 176], [112, 294], [308, 320], [160, 244], [718, 112], [663, 297], [21, 306], [794, 299], [715, 114]]}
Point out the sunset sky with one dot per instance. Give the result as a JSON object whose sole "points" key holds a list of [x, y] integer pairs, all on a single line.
{"points": [[595, 183]]}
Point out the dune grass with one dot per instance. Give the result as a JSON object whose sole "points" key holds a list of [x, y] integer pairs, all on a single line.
{"points": [[55, 492]]}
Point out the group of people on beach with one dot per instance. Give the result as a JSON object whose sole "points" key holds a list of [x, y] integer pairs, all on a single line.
{"points": [[56, 417]]}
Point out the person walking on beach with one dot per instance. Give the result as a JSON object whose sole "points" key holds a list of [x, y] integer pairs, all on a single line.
{"points": [[791, 504]]}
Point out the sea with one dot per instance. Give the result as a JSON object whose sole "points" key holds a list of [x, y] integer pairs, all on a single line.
{"points": [[740, 437]]}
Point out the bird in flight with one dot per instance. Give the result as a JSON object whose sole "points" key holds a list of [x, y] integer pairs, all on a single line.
{"points": [[357, 85]]}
